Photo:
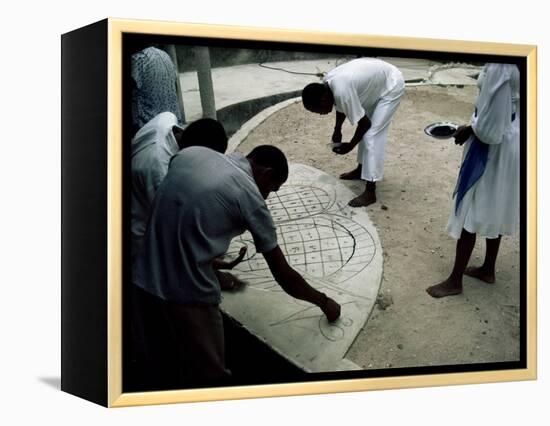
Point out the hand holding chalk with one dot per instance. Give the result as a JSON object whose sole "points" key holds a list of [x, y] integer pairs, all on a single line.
{"points": [[343, 148]]}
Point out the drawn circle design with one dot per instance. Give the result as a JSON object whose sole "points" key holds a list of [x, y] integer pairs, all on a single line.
{"points": [[322, 246], [293, 202]]}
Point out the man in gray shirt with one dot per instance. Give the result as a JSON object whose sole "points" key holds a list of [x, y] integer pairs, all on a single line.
{"points": [[206, 200]]}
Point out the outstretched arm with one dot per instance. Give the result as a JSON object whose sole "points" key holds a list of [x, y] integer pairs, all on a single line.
{"points": [[295, 285]]}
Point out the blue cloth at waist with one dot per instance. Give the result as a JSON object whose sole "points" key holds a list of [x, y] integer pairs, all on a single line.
{"points": [[471, 170], [472, 167]]}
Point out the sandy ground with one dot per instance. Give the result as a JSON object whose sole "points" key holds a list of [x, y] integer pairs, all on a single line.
{"points": [[407, 327]]}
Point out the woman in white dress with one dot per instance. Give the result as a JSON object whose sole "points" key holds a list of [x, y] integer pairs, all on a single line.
{"points": [[486, 197]]}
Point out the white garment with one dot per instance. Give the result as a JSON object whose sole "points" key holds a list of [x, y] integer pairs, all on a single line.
{"points": [[491, 206], [374, 88], [152, 148]]}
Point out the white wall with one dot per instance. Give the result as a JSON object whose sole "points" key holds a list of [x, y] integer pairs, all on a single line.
{"points": [[30, 243]]}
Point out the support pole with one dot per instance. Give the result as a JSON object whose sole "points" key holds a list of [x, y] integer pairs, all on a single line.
{"points": [[206, 88]]}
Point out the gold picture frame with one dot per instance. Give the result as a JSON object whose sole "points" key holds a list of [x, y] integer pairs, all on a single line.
{"points": [[107, 37]]}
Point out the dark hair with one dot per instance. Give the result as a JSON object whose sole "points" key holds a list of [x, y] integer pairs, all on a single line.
{"points": [[312, 94], [205, 132], [271, 157]]}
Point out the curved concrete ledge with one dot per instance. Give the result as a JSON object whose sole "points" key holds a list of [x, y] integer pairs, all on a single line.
{"points": [[245, 129], [234, 116]]}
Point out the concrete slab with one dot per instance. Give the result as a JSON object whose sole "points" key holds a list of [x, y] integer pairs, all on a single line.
{"points": [[335, 248]]}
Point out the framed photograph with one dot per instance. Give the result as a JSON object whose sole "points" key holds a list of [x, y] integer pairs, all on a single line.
{"points": [[255, 212]]}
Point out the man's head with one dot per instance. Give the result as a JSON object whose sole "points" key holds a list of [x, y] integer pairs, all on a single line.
{"points": [[269, 167], [318, 98], [205, 132]]}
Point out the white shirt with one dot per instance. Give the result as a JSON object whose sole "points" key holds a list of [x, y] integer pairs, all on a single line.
{"points": [[152, 148], [358, 85]]}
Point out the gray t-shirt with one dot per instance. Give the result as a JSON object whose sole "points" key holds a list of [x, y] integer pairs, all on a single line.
{"points": [[205, 200]]}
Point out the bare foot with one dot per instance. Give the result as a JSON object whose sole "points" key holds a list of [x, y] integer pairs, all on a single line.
{"points": [[445, 288], [365, 199], [353, 175], [480, 274]]}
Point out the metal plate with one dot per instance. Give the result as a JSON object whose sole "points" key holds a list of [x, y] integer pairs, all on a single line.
{"points": [[441, 129]]}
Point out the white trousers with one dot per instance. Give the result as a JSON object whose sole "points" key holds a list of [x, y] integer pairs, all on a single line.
{"points": [[370, 153]]}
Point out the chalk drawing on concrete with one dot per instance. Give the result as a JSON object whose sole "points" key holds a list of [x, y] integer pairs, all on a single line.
{"points": [[331, 332], [299, 201], [337, 251], [314, 240], [327, 245]]}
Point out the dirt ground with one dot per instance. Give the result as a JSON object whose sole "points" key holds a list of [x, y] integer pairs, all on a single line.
{"points": [[407, 327]]}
